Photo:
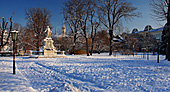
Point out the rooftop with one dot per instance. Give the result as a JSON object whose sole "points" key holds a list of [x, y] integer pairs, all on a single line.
{"points": [[153, 30]]}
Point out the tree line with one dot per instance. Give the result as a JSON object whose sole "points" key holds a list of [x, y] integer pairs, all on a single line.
{"points": [[87, 16]]}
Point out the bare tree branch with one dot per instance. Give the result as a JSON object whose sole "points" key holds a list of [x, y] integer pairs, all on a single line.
{"points": [[159, 9], [37, 21], [114, 10]]}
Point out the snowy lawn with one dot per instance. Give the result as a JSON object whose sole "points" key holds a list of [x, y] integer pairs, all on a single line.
{"points": [[98, 73]]}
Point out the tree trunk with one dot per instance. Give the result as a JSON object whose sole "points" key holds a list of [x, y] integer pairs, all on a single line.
{"points": [[73, 49], [87, 47], [166, 57], [168, 54], [111, 38], [92, 47], [37, 47], [75, 37], [168, 24]]}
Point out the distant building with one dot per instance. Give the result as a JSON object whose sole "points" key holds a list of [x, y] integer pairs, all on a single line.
{"points": [[157, 33]]}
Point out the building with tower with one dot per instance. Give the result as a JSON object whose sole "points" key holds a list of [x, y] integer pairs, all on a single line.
{"points": [[64, 28]]}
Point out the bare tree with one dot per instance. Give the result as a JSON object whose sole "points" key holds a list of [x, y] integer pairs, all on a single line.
{"points": [[83, 16], [94, 22], [161, 12], [159, 9], [87, 16], [26, 39], [168, 24], [102, 41], [118, 28], [4, 40], [17, 26], [37, 21], [111, 11], [79, 12], [70, 9]]}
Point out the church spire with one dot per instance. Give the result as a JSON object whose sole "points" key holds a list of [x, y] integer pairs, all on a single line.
{"points": [[64, 28], [55, 31]]}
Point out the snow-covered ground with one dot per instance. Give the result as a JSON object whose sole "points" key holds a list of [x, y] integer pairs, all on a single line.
{"points": [[97, 73]]}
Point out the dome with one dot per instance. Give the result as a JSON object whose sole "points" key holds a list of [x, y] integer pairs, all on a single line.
{"points": [[148, 27], [134, 30]]}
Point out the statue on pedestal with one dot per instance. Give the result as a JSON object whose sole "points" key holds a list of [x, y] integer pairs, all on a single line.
{"points": [[49, 48]]}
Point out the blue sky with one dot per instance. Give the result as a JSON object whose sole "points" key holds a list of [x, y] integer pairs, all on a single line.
{"points": [[7, 7], [146, 18]]}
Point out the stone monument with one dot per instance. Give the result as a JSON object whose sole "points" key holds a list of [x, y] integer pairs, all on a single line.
{"points": [[49, 48]]}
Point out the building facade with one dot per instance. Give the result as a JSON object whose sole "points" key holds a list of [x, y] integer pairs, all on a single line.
{"points": [[157, 33]]}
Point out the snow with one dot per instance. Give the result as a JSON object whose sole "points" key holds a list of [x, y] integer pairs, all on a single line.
{"points": [[9, 82], [81, 73]]}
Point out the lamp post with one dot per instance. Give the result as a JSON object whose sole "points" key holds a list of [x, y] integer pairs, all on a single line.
{"points": [[14, 37], [157, 40], [133, 49]]}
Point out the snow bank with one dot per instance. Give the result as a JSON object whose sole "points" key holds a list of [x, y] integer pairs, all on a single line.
{"points": [[98, 73]]}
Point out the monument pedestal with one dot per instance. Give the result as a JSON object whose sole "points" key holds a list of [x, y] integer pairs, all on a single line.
{"points": [[49, 49], [52, 56], [49, 52]]}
